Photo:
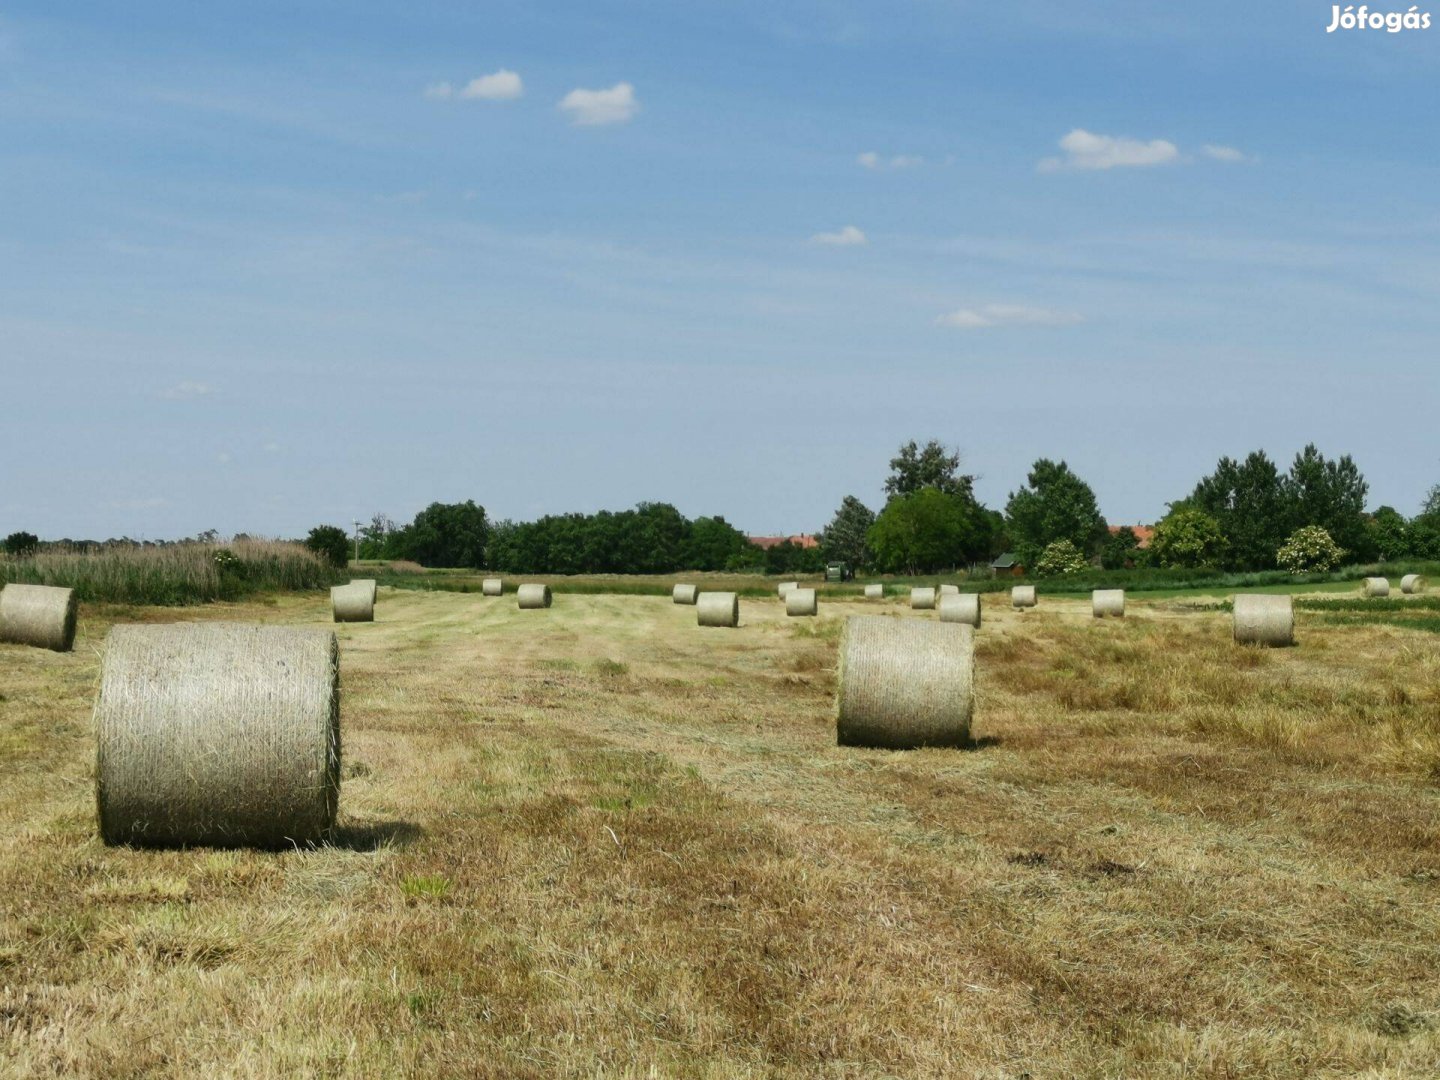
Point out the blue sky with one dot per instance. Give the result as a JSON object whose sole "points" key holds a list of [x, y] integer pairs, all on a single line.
{"points": [[268, 265]]}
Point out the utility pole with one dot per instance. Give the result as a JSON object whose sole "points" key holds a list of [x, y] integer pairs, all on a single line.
{"points": [[357, 541]]}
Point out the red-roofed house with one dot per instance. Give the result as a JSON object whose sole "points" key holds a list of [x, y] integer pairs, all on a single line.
{"points": [[765, 543]]}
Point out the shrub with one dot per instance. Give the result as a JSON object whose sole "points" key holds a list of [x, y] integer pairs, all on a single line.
{"points": [[1060, 557], [1309, 549], [331, 544], [20, 544]]}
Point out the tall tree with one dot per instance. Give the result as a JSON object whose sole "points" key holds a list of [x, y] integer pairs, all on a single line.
{"points": [[1330, 494], [1054, 504], [843, 540], [446, 534], [1248, 501], [931, 465], [925, 531]]}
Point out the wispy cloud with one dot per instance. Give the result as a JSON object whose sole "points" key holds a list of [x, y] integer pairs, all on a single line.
{"points": [[592, 108], [876, 162], [1086, 150], [1222, 153], [1006, 315], [502, 85], [849, 236], [187, 391]]}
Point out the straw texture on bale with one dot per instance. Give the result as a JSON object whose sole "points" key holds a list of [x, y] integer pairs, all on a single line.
{"points": [[960, 608], [949, 590], [1264, 619], [374, 589], [1377, 586], [874, 592], [922, 599], [533, 596], [1107, 602], [492, 586], [218, 734], [1022, 596], [353, 603], [786, 586], [904, 683], [801, 602], [1412, 583], [718, 609], [39, 615], [685, 594]]}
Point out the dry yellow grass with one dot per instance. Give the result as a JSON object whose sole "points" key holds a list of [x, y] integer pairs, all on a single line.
{"points": [[612, 843]]}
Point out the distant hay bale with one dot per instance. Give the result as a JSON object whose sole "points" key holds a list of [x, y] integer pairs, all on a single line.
{"points": [[801, 602], [1412, 583], [904, 683], [492, 586], [1022, 596], [949, 590], [374, 589], [1377, 586], [685, 594], [1107, 602], [533, 597], [38, 615], [874, 592], [786, 586], [718, 609], [922, 599], [353, 603], [958, 607], [1264, 619], [218, 734]]}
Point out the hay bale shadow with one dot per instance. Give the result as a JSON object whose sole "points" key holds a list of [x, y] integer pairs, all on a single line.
{"points": [[371, 836]]}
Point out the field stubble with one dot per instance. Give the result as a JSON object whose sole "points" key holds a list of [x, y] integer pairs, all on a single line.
{"points": [[603, 841]]}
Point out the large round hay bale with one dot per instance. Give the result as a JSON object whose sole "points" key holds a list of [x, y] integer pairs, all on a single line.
{"points": [[352, 603], [1412, 583], [801, 602], [1022, 596], [1377, 586], [949, 590], [718, 609], [1107, 602], [533, 597], [960, 608], [215, 733], [904, 683], [1264, 619], [374, 589], [685, 594], [492, 586], [786, 586], [922, 598], [874, 592], [39, 615]]}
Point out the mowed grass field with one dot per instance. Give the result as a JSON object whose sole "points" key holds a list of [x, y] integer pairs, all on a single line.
{"points": [[600, 841]]}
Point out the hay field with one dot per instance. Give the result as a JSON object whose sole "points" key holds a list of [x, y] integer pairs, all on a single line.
{"points": [[600, 841]]}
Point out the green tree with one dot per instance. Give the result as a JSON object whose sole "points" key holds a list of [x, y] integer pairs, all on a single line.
{"points": [[446, 534], [1247, 499], [1122, 549], [331, 544], [1187, 537], [927, 531], [20, 544], [928, 466], [1389, 533], [1330, 494], [1054, 504], [843, 540], [1060, 557], [1309, 548], [712, 543]]}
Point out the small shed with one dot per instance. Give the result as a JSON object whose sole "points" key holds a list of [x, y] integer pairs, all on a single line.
{"points": [[1007, 564]]}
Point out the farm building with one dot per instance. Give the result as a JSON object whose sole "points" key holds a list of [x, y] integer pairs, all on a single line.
{"points": [[1007, 564]]}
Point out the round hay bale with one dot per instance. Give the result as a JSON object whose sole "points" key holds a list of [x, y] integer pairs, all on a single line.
{"points": [[685, 594], [218, 734], [786, 586], [1022, 596], [353, 603], [904, 683], [949, 590], [1412, 583], [922, 599], [492, 586], [533, 597], [961, 608], [1264, 619], [374, 589], [801, 602], [38, 615], [1377, 586], [718, 609], [1107, 602], [874, 592]]}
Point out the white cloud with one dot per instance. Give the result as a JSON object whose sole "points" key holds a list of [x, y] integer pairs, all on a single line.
{"points": [[187, 391], [502, 85], [871, 160], [1006, 315], [223, 457], [849, 236], [1084, 150], [440, 91], [1222, 153], [591, 108]]}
